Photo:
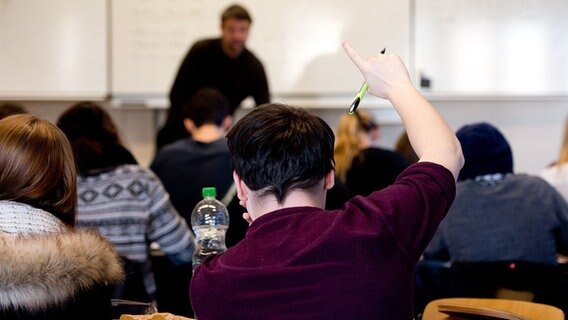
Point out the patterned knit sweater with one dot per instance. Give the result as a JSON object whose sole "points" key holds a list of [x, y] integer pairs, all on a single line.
{"points": [[129, 206]]}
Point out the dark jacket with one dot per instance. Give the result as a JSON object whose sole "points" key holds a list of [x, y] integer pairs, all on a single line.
{"points": [[67, 275]]}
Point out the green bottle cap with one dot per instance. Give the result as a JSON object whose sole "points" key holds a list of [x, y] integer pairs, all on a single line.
{"points": [[209, 192]]}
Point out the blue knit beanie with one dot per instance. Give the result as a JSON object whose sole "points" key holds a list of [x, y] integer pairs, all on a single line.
{"points": [[485, 149]]}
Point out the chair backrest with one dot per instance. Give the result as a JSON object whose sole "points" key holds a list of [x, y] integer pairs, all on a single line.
{"points": [[132, 288], [128, 307], [485, 279], [522, 309]]}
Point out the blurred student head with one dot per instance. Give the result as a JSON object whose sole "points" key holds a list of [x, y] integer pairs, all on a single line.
{"points": [[207, 106], [37, 167], [93, 137], [354, 133], [8, 109], [277, 148], [485, 150]]}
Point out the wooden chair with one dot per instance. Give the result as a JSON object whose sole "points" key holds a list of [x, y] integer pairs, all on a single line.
{"points": [[523, 309]]}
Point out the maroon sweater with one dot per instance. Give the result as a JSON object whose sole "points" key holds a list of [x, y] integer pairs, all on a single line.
{"points": [[309, 263]]}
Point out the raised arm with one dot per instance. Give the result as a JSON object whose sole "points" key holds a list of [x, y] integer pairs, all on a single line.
{"points": [[429, 135]]}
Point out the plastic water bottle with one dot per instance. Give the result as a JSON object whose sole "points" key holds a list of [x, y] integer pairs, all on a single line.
{"points": [[209, 221]]}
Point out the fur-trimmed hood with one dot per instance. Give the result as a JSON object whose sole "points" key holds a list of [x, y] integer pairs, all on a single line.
{"points": [[41, 271]]}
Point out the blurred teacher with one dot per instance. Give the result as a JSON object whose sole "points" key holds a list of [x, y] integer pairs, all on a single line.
{"points": [[223, 63]]}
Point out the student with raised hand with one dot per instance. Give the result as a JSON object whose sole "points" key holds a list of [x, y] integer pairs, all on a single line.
{"points": [[430, 136], [299, 261]]}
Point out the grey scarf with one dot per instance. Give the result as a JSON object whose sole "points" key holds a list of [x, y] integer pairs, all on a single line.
{"points": [[19, 218]]}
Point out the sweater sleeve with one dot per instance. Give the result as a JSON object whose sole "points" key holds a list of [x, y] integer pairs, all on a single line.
{"points": [[413, 207], [167, 228]]}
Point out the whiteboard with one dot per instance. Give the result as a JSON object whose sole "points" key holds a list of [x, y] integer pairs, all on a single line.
{"points": [[54, 49], [493, 47], [298, 41]]}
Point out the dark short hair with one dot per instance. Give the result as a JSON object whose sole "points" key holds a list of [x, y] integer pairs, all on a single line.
{"points": [[207, 105], [93, 137], [235, 11], [277, 148], [8, 109], [88, 119]]}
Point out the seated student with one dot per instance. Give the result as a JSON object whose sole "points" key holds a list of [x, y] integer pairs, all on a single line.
{"points": [[48, 270], [201, 160], [360, 167], [498, 216], [185, 167], [124, 202], [359, 164], [299, 261], [523, 214], [557, 174]]}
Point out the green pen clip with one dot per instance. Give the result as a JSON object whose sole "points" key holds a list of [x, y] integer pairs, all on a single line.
{"points": [[358, 98]]}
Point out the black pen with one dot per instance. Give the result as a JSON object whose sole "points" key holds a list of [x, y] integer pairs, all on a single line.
{"points": [[361, 93]]}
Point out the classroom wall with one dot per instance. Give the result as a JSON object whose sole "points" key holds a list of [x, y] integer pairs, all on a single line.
{"points": [[297, 40], [533, 126], [136, 126]]}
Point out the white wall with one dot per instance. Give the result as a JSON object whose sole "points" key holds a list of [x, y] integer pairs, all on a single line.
{"points": [[533, 127], [136, 127], [298, 41]]}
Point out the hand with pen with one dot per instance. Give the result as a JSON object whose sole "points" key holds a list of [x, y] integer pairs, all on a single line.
{"points": [[383, 73], [429, 134]]}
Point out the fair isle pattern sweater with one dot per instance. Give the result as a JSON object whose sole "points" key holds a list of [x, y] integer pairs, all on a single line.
{"points": [[129, 206]]}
